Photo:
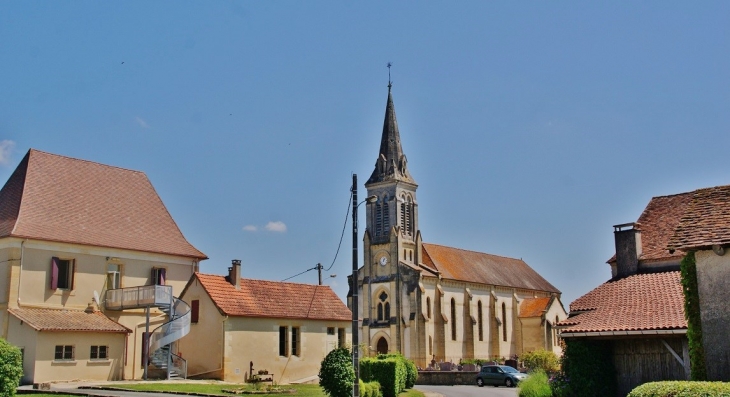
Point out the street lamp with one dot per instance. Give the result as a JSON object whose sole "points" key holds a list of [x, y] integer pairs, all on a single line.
{"points": [[355, 337]]}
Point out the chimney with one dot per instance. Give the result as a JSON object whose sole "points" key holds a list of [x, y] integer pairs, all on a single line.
{"points": [[628, 248], [234, 273]]}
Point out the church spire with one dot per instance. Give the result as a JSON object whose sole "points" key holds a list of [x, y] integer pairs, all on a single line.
{"points": [[391, 164]]}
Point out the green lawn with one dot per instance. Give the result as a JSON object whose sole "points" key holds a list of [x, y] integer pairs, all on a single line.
{"points": [[217, 388]]}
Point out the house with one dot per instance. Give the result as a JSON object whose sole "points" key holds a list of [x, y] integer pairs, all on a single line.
{"points": [[433, 302], [640, 310], [87, 250], [242, 326], [704, 229]]}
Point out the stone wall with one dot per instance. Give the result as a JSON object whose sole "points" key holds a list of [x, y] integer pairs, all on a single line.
{"points": [[447, 378]]}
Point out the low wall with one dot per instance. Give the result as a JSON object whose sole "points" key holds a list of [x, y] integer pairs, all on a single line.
{"points": [[447, 378]]}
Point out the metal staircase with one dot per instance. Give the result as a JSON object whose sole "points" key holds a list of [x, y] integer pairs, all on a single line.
{"points": [[161, 338]]}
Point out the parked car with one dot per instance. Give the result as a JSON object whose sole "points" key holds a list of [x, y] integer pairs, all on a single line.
{"points": [[498, 375]]}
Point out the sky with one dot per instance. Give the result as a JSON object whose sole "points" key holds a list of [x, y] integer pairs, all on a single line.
{"points": [[531, 127]]}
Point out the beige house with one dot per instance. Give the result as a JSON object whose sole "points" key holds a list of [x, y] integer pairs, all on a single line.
{"points": [[432, 302], [78, 240], [243, 326]]}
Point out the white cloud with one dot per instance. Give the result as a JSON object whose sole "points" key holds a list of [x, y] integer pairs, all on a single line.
{"points": [[278, 227], [6, 149], [250, 228], [141, 122]]}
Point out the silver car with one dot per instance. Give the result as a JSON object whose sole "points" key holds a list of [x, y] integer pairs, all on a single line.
{"points": [[499, 375]]}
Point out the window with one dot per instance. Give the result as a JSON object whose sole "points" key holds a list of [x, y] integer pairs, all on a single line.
{"points": [[295, 342], [62, 273], [378, 219], [330, 330], [504, 322], [113, 276], [387, 311], [99, 352], [386, 216], [159, 275], [383, 307], [283, 342], [430, 344], [194, 311], [480, 321], [453, 319], [341, 337], [428, 306], [555, 329], [64, 352]]}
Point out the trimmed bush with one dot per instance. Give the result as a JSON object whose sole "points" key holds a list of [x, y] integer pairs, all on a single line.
{"points": [[11, 368], [541, 360], [411, 369], [370, 389], [389, 372], [536, 385], [681, 389], [336, 374]]}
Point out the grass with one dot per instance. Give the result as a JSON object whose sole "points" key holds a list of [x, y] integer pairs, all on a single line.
{"points": [[217, 388]]}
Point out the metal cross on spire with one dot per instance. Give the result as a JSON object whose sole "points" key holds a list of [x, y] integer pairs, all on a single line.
{"points": [[390, 82]]}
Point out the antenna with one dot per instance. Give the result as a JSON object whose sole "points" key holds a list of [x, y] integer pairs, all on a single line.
{"points": [[390, 82], [96, 297]]}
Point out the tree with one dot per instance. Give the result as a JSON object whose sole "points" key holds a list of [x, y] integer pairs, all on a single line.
{"points": [[11, 368], [336, 374]]}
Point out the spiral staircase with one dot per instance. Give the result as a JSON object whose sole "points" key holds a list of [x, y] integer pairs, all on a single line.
{"points": [[161, 339]]}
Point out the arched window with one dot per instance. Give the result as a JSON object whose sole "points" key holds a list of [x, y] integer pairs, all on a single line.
{"points": [[480, 318], [453, 319], [430, 344], [555, 330], [428, 306], [504, 322], [380, 311], [383, 307], [387, 311]]}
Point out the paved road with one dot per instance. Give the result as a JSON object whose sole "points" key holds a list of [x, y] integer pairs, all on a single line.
{"points": [[469, 391]]}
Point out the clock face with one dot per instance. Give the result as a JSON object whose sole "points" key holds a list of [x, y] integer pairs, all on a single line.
{"points": [[383, 260]]}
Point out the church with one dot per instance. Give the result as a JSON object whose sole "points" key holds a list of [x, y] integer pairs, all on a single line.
{"points": [[434, 303]]}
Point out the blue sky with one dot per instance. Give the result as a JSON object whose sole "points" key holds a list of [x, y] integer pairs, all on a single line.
{"points": [[531, 127]]}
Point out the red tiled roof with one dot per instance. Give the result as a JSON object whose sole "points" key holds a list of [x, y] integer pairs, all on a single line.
{"points": [[56, 198], [62, 320], [657, 224], [478, 267], [262, 298], [706, 221], [651, 301], [533, 307]]}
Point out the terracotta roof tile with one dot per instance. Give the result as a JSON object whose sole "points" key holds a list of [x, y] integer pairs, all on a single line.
{"points": [[534, 307], [262, 298], [56, 198], [651, 301], [657, 223], [706, 221], [478, 267], [67, 320]]}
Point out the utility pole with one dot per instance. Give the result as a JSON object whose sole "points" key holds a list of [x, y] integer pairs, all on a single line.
{"points": [[355, 337], [319, 270]]}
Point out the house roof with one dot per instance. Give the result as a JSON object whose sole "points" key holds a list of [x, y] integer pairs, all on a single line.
{"points": [[56, 198], [478, 267], [62, 320], [705, 221], [262, 298], [657, 224], [534, 307], [652, 301]]}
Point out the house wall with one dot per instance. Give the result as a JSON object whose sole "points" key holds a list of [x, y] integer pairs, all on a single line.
{"points": [[30, 287], [533, 334], [638, 361], [203, 346], [713, 279], [257, 340], [39, 349], [555, 311]]}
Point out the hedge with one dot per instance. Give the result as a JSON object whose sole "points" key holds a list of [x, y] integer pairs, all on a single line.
{"points": [[411, 369], [389, 372], [11, 368], [681, 389], [370, 389]]}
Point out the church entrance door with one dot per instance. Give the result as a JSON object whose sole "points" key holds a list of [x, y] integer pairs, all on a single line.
{"points": [[382, 346]]}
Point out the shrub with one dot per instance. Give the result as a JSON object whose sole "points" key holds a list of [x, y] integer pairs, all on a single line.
{"points": [[336, 374], [681, 389], [411, 369], [11, 368], [536, 385], [542, 360], [370, 389], [587, 370], [389, 372]]}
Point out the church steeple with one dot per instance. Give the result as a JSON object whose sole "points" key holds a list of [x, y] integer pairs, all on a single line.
{"points": [[391, 164]]}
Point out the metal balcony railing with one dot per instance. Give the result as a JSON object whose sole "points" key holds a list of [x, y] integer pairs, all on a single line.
{"points": [[138, 297]]}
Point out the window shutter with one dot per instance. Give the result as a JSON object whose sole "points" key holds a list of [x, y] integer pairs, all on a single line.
{"points": [[72, 271], [194, 311], [161, 280], [54, 273]]}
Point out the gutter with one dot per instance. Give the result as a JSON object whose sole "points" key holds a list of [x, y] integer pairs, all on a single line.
{"points": [[623, 333]]}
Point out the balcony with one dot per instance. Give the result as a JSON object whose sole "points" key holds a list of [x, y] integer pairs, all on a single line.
{"points": [[138, 297]]}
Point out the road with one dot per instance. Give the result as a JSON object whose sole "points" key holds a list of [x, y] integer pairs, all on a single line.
{"points": [[469, 391]]}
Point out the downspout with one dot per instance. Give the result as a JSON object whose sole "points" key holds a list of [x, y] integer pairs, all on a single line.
{"points": [[20, 274]]}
